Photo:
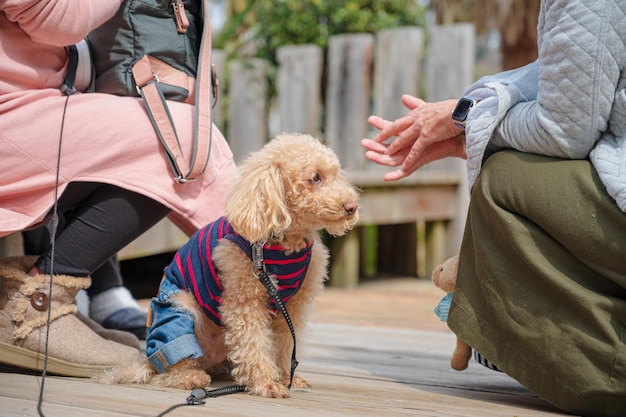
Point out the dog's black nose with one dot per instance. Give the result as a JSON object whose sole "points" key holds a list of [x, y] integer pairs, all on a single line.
{"points": [[350, 207]]}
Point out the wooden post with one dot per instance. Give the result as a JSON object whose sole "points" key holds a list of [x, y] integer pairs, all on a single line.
{"points": [[299, 82], [420, 249], [348, 95], [450, 64], [247, 108], [435, 245], [396, 69], [344, 269]]}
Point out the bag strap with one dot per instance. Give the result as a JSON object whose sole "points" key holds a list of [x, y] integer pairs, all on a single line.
{"points": [[68, 82], [148, 87]]}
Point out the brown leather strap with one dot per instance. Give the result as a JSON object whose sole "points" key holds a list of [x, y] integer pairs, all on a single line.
{"points": [[169, 75], [148, 73], [202, 150]]}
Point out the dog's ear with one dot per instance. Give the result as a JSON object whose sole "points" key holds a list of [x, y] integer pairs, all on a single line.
{"points": [[256, 207]]}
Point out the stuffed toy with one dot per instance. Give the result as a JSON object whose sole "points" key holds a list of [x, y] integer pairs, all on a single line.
{"points": [[444, 277]]}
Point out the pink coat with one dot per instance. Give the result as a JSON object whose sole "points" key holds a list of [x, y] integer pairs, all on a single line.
{"points": [[106, 138]]}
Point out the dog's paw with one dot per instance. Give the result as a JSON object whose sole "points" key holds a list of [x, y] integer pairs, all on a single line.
{"points": [[299, 382], [270, 390], [194, 379]]}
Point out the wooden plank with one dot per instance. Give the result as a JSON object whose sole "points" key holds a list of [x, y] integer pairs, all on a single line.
{"points": [[355, 370], [331, 395], [299, 82], [247, 108], [374, 350], [368, 179], [348, 94], [436, 246], [406, 205], [451, 69], [344, 268], [397, 69]]}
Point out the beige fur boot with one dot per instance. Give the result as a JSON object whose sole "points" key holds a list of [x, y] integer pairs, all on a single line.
{"points": [[73, 348], [118, 336]]}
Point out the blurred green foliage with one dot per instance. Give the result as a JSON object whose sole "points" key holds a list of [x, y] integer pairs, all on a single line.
{"points": [[274, 23]]}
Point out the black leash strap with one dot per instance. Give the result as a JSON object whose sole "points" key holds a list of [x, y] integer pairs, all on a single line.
{"points": [[258, 269], [198, 394], [273, 292]]}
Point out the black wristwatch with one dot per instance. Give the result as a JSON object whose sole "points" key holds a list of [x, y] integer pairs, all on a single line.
{"points": [[462, 109]]}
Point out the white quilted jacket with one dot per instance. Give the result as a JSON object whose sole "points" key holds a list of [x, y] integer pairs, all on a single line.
{"points": [[570, 103]]}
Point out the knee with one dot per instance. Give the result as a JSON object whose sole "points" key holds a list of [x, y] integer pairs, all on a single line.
{"points": [[496, 176]]}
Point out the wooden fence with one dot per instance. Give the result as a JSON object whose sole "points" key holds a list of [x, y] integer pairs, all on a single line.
{"points": [[419, 220], [365, 74]]}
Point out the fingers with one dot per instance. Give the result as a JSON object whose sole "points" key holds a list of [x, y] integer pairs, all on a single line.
{"points": [[402, 127], [389, 129], [376, 122], [410, 160], [429, 123], [415, 152], [376, 153], [425, 134], [416, 159], [406, 138], [396, 175], [374, 146], [385, 160], [411, 102]]}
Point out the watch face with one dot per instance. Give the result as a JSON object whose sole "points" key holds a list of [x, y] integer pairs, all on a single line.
{"points": [[462, 109]]}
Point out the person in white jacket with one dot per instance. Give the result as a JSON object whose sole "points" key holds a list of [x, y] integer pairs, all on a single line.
{"points": [[541, 287]]}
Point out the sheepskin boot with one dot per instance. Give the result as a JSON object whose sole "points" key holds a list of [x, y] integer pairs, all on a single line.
{"points": [[118, 336], [73, 348]]}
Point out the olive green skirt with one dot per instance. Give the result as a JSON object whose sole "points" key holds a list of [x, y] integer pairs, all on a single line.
{"points": [[541, 289]]}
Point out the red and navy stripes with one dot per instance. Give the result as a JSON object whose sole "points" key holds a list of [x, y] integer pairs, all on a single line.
{"points": [[193, 269]]}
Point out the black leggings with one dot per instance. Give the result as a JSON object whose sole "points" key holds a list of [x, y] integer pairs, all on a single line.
{"points": [[95, 221]]}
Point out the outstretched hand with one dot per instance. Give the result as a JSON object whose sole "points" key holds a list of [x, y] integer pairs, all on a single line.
{"points": [[424, 135]]}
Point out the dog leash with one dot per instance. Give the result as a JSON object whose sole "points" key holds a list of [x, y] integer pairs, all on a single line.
{"points": [[260, 272]]}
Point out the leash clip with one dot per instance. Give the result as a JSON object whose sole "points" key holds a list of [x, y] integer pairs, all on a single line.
{"points": [[258, 265], [259, 270]]}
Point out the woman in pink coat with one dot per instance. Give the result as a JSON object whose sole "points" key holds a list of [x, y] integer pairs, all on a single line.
{"points": [[100, 155]]}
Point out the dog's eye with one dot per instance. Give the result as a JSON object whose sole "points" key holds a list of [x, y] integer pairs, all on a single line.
{"points": [[316, 178]]}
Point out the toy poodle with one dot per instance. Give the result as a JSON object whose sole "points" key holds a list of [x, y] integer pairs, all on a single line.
{"points": [[212, 314]]}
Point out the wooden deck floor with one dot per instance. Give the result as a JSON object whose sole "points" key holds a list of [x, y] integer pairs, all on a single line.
{"points": [[376, 350]]}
